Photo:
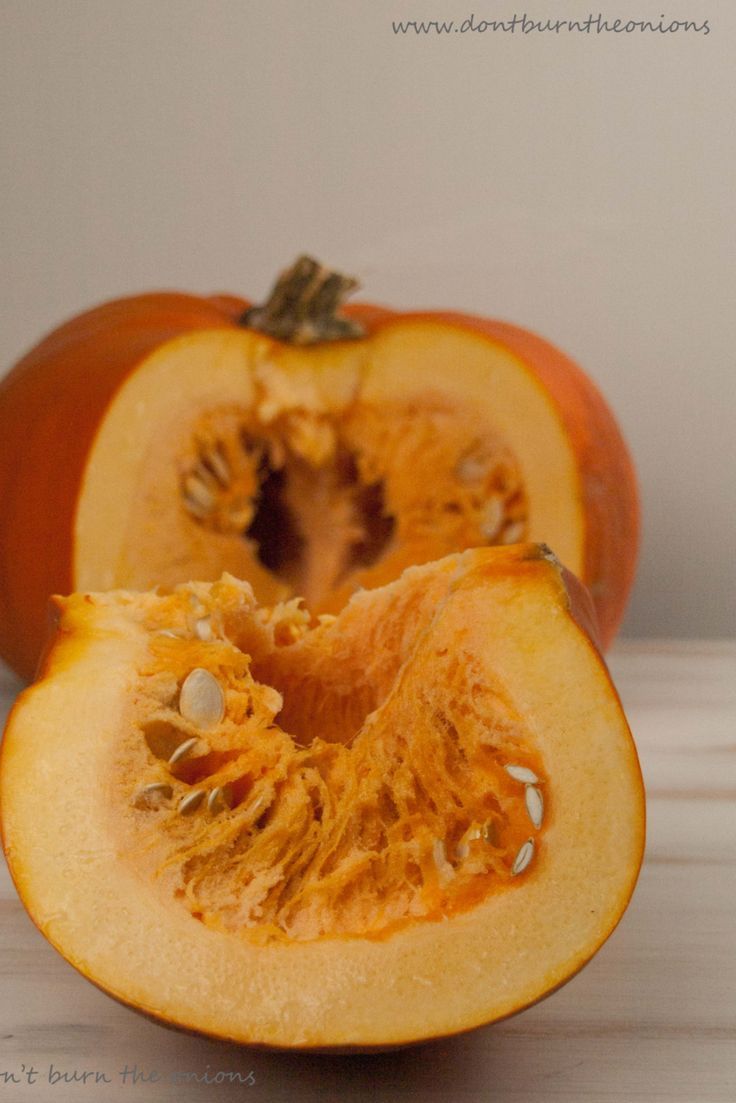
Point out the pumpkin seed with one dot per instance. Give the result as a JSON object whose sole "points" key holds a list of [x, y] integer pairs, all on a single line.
{"points": [[534, 805], [190, 802], [194, 509], [215, 458], [493, 515], [255, 810], [151, 795], [471, 469], [522, 773], [197, 491], [182, 750], [203, 470], [523, 857], [240, 515], [201, 699], [219, 799], [203, 629], [513, 533]]}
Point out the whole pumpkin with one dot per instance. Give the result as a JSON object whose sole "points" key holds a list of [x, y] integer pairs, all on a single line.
{"points": [[165, 437]]}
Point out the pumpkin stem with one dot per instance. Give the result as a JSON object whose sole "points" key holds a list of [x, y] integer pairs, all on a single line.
{"points": [[303, 304]]}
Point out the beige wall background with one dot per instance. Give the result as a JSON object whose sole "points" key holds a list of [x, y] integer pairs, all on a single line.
{"points": [[580, 185]]}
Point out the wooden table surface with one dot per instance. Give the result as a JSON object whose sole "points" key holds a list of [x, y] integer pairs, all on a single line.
{"points": [[653, 1017]]}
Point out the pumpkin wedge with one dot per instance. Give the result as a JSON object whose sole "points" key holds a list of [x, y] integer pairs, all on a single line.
{"points": [[410, 820], [167, 437]]}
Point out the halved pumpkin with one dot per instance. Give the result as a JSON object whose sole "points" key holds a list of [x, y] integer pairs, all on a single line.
{"points": [[408, 821], [166, 437]]}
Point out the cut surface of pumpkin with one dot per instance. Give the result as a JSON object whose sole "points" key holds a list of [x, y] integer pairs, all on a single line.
{"points": [[408, 820], [162, 438], [317, 483]]}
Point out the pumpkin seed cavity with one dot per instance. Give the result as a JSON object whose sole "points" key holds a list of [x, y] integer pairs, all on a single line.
{"points": [[299, 811], [323, 498]]}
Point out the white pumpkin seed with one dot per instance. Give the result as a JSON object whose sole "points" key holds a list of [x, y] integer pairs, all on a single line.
{"points": [[190, 802], [216, 459], [182, 750], [471, 469], [219, 799], [196, 509], [522, 773], [492, 519], [524, 857], [203, 629], [513, 533], [203, 471], [534, 805], [197, 490], [239, 517], [201, 699], [256, 809]]}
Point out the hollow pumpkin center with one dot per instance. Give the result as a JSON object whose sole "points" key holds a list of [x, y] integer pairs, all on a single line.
{"points": [[292, 778], [316, 545], [331, 501]]}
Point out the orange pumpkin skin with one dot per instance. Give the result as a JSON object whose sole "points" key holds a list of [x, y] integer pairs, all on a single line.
{"points": [[53, 401]]}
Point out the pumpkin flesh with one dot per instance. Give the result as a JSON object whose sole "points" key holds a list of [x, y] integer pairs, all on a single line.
{"points": [[380, 465]]}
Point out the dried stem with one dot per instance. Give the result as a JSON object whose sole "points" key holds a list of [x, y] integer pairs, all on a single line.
{"points": [[302, 308]]}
